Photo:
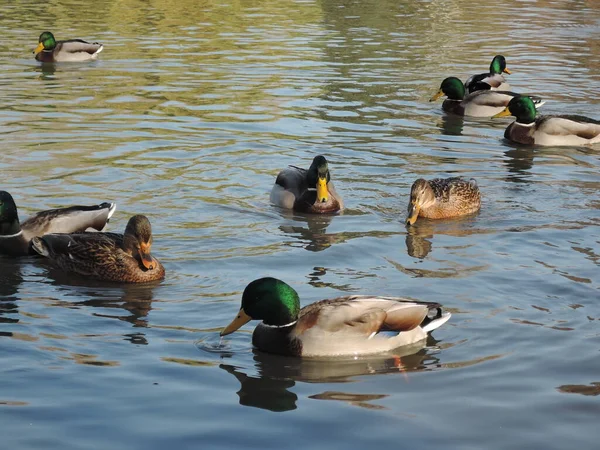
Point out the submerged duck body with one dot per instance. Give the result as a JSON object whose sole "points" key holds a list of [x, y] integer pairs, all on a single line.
{"points": [[50, 50], [105, 256], [442, 198], [555, 130], [481, 103], [308, 191], [335, 327], [15, 237], [494, 78]]}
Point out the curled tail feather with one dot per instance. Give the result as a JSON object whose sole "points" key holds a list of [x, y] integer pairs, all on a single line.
{"points": [[38, 244]]}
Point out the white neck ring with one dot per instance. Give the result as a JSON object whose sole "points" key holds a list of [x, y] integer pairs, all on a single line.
{"points": [[8, 236], [280, 326]]}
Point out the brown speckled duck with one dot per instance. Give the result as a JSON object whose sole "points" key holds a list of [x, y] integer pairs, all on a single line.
{"points": [[15, 237], [442, 198], [309, 191], [105, 256], [335, 327], [49, 50]]}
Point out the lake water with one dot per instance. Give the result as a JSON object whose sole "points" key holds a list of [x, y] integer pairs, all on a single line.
{"points": [[188, 116]]}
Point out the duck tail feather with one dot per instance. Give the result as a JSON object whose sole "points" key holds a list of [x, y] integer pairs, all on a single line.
{"points": [[38, 244], [431, 323]]}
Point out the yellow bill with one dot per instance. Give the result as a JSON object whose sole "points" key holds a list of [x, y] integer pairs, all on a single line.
{"points": [[505, 112], [439, 94], [241, 319], [322, 191], [507, 71], [39, 48]]}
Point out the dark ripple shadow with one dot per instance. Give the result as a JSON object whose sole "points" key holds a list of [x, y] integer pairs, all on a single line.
{"points": [[11, 279], [268, 385], [592, 389], [451, 125], [134, 299], [420, 235]]}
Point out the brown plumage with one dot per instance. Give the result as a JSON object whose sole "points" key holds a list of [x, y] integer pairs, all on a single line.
{"points": [[443, 198], [105, 256], [15, 237]]}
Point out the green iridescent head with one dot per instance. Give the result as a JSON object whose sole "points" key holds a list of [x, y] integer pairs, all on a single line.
{"points": [[46, 42], [522, 107], [498, 65], [452, 88], [267, 299], [9, 218]]}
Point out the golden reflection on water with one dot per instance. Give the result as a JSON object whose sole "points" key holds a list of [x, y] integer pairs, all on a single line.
{"points": [[187, 116]]}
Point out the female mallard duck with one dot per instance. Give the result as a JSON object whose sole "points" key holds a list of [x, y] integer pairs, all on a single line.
{"points": [[547, 130], [494, 78], [49, 50], [442, 198], [105, 256], [15, 237], [334, 327], [482, 103], [309, 191]]}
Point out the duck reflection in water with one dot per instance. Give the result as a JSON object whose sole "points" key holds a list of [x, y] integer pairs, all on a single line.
{"points": [[418, 244], [452, 125], [135, 299], [519, 162], [269, 388], [419, 237], [10, 281], [311, 231]]}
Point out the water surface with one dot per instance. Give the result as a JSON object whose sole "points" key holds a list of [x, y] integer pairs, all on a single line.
{"points": [[188, 116]]}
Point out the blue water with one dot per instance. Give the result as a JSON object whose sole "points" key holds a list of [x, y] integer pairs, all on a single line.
{"points": [[187, 117]]}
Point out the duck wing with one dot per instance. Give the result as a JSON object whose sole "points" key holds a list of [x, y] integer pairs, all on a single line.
{"points": [[569, 125], [69, 220], [293, 179], [363, 315], [83, 253], [74, 46]]}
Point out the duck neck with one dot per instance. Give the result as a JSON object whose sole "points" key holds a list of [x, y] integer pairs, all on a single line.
{"points": [[10, 229]]}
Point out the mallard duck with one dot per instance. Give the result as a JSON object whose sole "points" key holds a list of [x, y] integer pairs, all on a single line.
{"points": [[442, 198], [310, 191], [15, 237], [50, 50], [339, 326], [494, 78], [547, 130], [482, 103], [105, 256]]}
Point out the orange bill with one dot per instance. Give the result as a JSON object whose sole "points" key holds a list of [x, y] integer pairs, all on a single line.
{"points": [[413, 213], [145, 256]]}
